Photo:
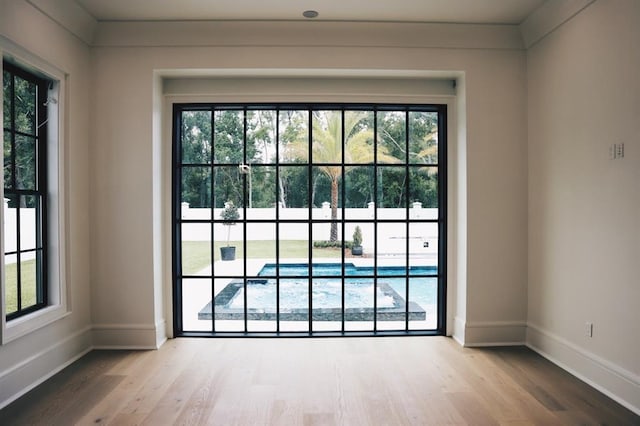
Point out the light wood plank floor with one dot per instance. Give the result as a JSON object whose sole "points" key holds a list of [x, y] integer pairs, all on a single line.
{"points": [[348, 381]]}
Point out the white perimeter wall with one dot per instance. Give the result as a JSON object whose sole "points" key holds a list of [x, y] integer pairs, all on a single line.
{"points": [[25, 361], [584, 209]]}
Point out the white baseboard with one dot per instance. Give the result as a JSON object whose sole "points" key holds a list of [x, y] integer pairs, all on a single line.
{"points": [[125, 336], [37, 368], [619, 384], [494, 333]]}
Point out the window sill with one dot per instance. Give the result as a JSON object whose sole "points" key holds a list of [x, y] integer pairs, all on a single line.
{"points": [[22, 326]]}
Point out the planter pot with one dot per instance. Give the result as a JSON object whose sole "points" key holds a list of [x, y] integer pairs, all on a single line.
{"points": [[356, 250], [228, 253]]}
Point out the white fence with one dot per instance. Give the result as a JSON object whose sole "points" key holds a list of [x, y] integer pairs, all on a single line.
{"points": [[27, 232], [391, 237]]}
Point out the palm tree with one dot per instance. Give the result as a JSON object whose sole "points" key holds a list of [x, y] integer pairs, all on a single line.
{"points": [[329, 129]]}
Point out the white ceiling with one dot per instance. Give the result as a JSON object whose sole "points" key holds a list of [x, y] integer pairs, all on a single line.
{"points": [[451, 11]]}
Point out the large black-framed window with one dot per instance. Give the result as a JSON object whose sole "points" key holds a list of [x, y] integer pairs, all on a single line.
{"points": [[25, 119], [336, 214]]}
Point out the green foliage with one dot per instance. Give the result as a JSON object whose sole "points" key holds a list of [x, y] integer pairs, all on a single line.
{"points": [[324, 244], [230, 213], [357, 237]]}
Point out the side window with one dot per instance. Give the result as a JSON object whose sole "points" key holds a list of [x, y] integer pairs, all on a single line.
{"points": [[25, 188]]}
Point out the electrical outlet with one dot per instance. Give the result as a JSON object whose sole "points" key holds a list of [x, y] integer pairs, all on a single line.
{"points": [[588, 329]]}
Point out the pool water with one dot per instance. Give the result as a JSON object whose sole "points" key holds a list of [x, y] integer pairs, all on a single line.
{"points": [[327, 291]]}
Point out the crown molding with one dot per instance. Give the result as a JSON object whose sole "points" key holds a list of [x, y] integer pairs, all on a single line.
{"points": [[548, 17], [69, 15]]}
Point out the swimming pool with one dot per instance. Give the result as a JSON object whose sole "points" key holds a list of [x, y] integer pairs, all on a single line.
{"points": [[287, 298]]}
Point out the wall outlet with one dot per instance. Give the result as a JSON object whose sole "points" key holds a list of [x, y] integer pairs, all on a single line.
{"points": [[588, 329]]}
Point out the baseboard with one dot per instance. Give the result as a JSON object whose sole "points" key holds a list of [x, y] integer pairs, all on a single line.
{"points": [[125, 336], [39, 367], [619, 384], [494, 333]]}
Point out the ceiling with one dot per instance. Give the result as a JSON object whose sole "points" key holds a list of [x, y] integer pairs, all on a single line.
{"points": [[451, 11]]}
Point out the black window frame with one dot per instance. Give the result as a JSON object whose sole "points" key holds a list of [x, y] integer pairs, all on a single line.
{"points": [[177, 165], [40, 193]]}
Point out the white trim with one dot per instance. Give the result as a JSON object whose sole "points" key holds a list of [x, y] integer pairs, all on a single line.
{"points": [[125, 336], [618, 383], [57, 260], [494, 333], [70, 349]]}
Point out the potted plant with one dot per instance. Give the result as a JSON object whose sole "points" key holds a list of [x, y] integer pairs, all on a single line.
{"points": [[229, 215], [356, 248]]}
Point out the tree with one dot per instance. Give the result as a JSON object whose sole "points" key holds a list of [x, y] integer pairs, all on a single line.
{"points": [[332, 133]]}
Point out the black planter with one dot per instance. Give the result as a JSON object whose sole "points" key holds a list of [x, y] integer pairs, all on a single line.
{"points": [[228, 253], [356, 250]]}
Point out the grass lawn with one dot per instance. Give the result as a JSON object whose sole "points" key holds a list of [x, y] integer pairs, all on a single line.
{"points": [[28, 285], [196, 255]]}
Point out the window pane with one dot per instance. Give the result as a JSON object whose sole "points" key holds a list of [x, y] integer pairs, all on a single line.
{"points": [[196, 137], [25, 106], [228, 142], [261, 192], [8, 170], [392, 195], [196, 248], [11, 284], [359, 193], [392, 137], [228, 184], [423, 137], [358, 127], [6, 99], [261, 130], [327, 138], [29, 226], [293, 136], [196, 187], [423, 191], [26, 164], [28, 281], [196, 304], [294, 191]]}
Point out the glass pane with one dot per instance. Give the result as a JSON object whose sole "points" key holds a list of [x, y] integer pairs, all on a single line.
{"points": [[228, 184], [25, 106], [261, 304], [196, 137], [229, 304], [423, 137], [26, 164], [327, 140], [361, 238], [392, 137], [294, 303], [228, 139], [261, 244], [293, 136], [423, 192], [10, 223], [294, 243], [359, 193], [327, 303], [423, 245], [392, 194], [196, 187], [293, 187], [196, 305], [29, 226], [327, 192], [261, 192], [28, 281], [423, 302], [392, 306], [261, 130], [392, 244], [196, 248], [11, 284], [6, 99], [8, 169], [358, 131]]}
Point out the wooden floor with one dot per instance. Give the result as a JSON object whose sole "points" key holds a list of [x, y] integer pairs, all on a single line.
{"points": [[348, 381]]}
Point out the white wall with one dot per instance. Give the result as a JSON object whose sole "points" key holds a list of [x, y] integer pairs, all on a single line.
{"points": [[128, 56], [29, 359], [584, 209]]}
